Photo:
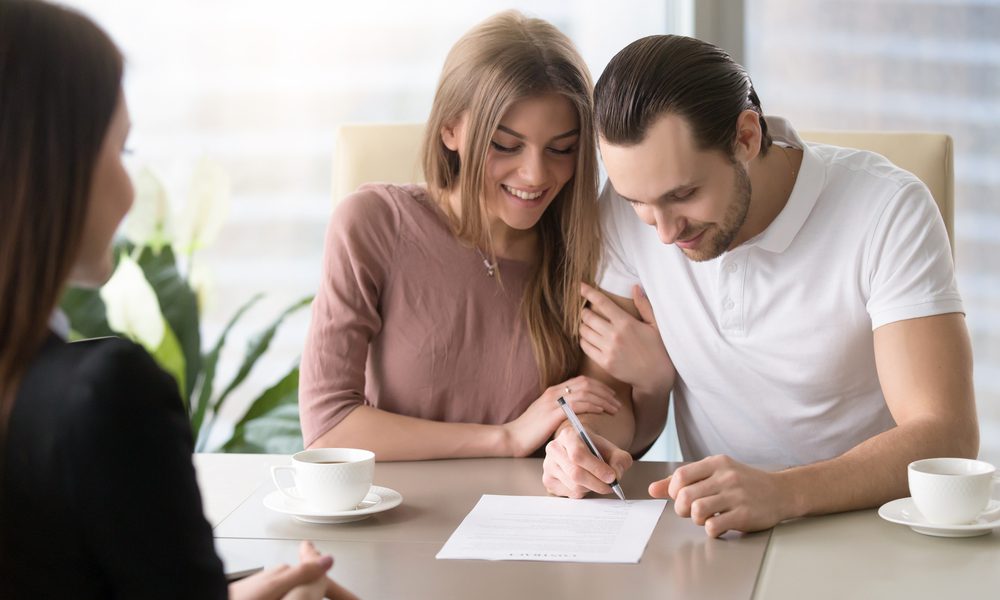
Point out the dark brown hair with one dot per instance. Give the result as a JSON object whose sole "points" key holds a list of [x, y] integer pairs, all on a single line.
{"points": [[60, 80], [507, 58], [663, 74]]}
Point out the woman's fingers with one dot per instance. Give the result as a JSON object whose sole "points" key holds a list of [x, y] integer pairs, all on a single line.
{"points": [[587, 334], [603, 305], [643, 305], [335, 591], [303, 573], [593, 352], [308, 552], [592, 404], [580, 388], [602, 395], [595, 322], [589, 384]]}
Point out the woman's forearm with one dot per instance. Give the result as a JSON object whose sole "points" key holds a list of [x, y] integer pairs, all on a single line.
{"points": [[398, 437]]}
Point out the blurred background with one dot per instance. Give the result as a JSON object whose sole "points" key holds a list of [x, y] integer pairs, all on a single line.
{"points": [[260, 88]]}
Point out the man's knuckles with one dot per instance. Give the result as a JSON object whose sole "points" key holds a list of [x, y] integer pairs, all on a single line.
{"points": [[699, 512]]}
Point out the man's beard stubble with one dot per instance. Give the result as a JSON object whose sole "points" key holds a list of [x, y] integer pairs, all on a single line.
{"points": [[732, 221]]}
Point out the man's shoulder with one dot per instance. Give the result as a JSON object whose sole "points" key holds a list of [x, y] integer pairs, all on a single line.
{"points": [[851, 169], [615, 210]]}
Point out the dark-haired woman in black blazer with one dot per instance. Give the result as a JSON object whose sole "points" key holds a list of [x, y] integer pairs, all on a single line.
{"points": [[98, 497]]}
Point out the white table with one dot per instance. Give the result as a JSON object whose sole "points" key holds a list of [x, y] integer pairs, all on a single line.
{"points": [[391, 555]]}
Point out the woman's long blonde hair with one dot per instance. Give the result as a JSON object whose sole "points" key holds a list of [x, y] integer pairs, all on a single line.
{"points": [[504, 59]]}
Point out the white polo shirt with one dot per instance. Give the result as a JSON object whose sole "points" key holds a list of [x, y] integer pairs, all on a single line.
{"points": [[773, 341]]}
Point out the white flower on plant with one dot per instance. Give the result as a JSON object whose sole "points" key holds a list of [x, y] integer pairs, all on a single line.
{"points": [[202, 281], [147, 224], [131, 305], [207, 206]]}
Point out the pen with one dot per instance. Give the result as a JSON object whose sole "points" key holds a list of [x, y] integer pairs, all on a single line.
{"points": [[237, 575], [578, 426]]}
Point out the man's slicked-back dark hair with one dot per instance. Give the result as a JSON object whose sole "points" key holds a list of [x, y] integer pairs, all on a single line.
{"points": [[672, 74]]}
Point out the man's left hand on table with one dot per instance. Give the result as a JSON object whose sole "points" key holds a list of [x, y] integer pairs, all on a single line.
{"points": [[724, 495]]}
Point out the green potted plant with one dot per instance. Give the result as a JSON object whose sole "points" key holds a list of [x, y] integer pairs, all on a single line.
{"points": [[152, 300]]}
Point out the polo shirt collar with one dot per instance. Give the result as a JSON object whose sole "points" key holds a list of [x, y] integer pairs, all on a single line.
{"points": [[808, 184]]}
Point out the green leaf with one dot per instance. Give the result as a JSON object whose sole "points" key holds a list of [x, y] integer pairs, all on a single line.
{"points": [[180, 309], [209, 364], [86, 313], [271, 424], [170, 357], [84, 308], [257, 345]]}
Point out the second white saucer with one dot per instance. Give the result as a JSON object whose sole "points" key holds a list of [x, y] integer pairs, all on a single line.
{"points": [[379, 499], [904, 512]]}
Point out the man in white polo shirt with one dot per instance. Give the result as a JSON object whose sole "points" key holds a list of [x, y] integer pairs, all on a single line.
{"points": [[804, 295]]}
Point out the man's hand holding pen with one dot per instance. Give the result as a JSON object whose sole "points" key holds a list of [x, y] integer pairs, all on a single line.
{"points": [[571, 470]]}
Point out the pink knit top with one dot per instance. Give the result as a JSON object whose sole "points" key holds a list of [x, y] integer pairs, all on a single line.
{"points": [[407, 320]]}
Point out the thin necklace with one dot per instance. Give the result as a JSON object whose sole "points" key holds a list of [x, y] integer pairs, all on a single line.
{"points": [[784, 151], [491, 267]]}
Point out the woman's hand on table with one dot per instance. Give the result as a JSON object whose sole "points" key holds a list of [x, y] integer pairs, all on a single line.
{"points": [[528, 432], [304, 581]]}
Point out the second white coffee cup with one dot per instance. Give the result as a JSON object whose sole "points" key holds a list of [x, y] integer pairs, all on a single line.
{"points": [[328, 479], [951, 491]]}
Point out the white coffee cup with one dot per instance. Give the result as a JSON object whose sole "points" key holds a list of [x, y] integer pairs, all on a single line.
{"points": [[328, 480], [951, 491]]}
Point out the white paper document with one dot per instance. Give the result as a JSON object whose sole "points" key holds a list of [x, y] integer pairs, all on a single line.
{"points": [[543, 528]]}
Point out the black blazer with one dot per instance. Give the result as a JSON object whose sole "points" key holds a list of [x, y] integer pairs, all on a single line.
{"points": [[98, 497]]}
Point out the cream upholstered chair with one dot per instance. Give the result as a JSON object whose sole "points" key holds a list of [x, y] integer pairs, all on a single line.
{"points": [[390, 153], [926, 155]]}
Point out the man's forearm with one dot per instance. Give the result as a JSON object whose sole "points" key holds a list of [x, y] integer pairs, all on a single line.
{"points": [[925, 370], [638, 423], [650, 412], [619, 429], [874, 471]]}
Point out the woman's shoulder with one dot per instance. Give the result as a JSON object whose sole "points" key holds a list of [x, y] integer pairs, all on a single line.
{"points": [[97, 374], [386, 203], [384, 212], [111, 359], [95, 398]]}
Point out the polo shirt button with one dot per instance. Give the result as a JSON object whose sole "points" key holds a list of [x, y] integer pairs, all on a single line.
{"points": [[729, 304], [732, 267]]}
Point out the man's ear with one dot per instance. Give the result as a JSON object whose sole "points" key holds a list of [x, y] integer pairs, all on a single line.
{"points": [[748, 136], [452, 132]]}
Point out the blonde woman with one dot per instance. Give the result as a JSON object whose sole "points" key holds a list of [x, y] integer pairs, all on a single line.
{"points": [[447, 320]]}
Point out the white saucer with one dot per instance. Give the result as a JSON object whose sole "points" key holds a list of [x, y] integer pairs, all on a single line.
{"points": [[904, 512], [378, 499]]}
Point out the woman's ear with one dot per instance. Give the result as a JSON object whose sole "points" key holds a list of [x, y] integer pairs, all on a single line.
{"points": [[453, 133]]}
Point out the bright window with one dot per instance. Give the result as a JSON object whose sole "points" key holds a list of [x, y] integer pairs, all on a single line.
{"points": [[261, 86], [905, 65]]}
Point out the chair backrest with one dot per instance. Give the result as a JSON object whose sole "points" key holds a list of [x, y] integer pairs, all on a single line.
{"points": [[926, 155], [390, 153]]}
